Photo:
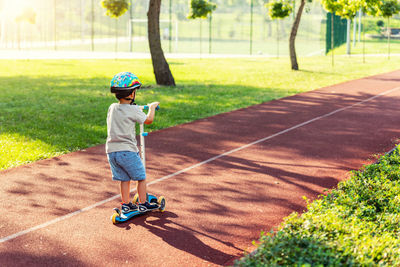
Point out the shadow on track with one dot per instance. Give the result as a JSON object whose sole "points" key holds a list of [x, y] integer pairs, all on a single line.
{"points": [[182, 237], [19, 258]]}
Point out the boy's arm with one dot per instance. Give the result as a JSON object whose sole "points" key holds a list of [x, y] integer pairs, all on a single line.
{"points": [[151, 113]]}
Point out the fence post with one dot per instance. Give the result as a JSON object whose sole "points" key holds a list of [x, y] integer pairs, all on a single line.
{"points": [[130, 27], [359, 24], [170, 25], [348, 37], [332, 38], [251, 26], [55, 25], [354, 31], [209, 34], [92, 28]]}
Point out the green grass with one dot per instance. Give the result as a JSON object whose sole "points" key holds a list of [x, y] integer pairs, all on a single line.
{"points": [[51, 107], [372, 46], [357, 224]]}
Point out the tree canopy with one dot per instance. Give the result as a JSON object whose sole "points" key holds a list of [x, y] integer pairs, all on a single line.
{"points": [[279, 9], [388, 8], [200, 8], [115, 8], [348, 8], [343, 8]]}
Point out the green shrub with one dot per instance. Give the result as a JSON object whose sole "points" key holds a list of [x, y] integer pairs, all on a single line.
{"points": [[357, 224]]}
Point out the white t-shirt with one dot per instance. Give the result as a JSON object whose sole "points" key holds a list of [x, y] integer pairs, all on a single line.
{"points": [[121, 133]]}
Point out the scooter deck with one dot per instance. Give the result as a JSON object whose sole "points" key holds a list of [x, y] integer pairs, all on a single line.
{"points": [[124, 217], [119, 217]]}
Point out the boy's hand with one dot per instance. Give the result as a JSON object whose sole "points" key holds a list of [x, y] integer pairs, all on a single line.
{"points": [[153, 105], [152, 111]]}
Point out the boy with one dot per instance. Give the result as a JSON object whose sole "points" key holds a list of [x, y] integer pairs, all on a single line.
{"points": [[121, 146]]}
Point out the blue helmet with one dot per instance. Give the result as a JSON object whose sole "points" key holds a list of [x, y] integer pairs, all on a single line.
{"points": [[124, 81]]}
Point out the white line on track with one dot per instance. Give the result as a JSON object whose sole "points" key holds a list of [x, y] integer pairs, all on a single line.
{"points": [[69, 215]]}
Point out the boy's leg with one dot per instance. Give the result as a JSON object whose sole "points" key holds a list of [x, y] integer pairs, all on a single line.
{"points": [[141, 189], [127, 205], [125, 191], [143, 204]]}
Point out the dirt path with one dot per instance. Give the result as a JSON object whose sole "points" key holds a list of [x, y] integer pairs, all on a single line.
{"points": [[225, 179]]}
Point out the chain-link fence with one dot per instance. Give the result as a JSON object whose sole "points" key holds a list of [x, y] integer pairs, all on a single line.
{"points": [[241, 28]]}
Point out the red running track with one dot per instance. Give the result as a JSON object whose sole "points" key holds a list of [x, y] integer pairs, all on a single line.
{"points": [[225, 179]]}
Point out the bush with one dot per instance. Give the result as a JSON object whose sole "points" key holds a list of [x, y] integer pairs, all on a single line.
{"points": [[380, 23], [357, 224]]}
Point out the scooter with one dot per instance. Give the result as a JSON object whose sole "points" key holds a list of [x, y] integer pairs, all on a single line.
{"points": [[118, 216]]}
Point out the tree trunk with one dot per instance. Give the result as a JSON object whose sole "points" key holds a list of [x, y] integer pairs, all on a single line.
{"points": [[293, 33], [160, 66]]}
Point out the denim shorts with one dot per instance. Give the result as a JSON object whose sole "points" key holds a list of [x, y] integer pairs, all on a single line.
{"points": [[126, 166]]}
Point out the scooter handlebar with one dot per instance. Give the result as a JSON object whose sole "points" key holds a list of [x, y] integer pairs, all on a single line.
{"points": [[146, 107]]}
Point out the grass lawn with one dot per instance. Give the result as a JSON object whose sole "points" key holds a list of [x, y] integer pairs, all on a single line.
{"points": [[52, 107], [371, 46]]}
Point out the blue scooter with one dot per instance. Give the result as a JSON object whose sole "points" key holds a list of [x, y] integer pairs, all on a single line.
{"points": [[118, 216]]}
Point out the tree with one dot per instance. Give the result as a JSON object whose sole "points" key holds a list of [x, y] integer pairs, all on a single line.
{"points": [[347, 9], [293, 34], [278, 10], [161, 69], [201, 9], [282, 9], [387, 9], [369, 7], [115, 9], [26, 15], [332, 6]]}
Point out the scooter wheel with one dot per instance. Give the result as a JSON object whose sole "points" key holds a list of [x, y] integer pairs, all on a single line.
{"points": [[152, 199], [135, 199], [114, 217], [161, 202], [117, 211]]}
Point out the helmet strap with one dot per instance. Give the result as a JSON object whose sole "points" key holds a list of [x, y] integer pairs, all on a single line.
{"points": [[132, 99]]}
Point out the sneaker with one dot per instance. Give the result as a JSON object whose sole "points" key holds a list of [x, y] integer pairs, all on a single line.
{"points": [[143, 207], [125, 208]]}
